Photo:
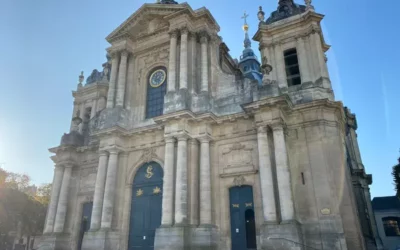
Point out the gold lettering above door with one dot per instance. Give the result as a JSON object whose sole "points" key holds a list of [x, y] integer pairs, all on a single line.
{"points": [[149, 172]]}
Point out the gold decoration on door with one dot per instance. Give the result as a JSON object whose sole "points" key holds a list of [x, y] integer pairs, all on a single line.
{"points": [[249, 204], [156, 190], [139, 192], [235, 205], [149, 172]]}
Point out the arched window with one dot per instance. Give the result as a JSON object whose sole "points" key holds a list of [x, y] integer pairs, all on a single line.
{"points": [[391, 226], [156, 88]]}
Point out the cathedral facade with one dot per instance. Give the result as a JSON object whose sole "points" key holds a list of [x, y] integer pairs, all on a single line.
{"points": [[176, 145]]}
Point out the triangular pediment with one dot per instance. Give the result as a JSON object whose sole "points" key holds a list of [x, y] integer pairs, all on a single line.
{"points": [[152, 17]]}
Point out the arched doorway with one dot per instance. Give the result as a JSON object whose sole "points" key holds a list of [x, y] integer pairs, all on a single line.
{"points": [[146, 206], [243, 228]]}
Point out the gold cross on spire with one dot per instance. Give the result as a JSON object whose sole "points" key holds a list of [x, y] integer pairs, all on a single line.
{"points": [[245, 26]]}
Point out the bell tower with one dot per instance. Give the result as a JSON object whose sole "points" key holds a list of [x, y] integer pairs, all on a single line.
{"points": [[293, 46], [249, 65]]}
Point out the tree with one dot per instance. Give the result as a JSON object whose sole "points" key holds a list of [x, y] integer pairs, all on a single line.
{"points": [[22, 204], [43, 194], [396, 178]]}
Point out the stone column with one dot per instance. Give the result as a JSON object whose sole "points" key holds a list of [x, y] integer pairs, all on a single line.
{"points": [[55, 192], [74, 113], [122, 79], [204, 62], [266, 177], [283, 174], [319, 59], [99, 191], [113, 80], [181, 204], [194, 182], [303, 60], [168, 185], [205, 182], [280, 66], [172, 62], [193, 43], [63, 200], [94, 108], [183, 75], [272, 62], [109, 193], [82, 116]]}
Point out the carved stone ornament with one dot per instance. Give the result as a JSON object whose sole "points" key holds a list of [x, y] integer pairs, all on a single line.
{"points": [[75, 123], [148, 154], [325, 211], [239, 181]]}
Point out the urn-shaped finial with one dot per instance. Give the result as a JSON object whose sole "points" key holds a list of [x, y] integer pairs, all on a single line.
{"points": [[308, 5], [81, 78]]}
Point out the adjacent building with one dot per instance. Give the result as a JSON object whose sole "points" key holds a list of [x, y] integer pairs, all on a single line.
{"points": [[176, 145], [387, 215]]}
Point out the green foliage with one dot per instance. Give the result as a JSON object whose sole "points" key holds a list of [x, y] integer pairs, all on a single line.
{"points": [[22, 204], [43, 194], [396, 178]]}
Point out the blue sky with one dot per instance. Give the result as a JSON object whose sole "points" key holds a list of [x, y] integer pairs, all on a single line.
{"points": [[45, 44]]}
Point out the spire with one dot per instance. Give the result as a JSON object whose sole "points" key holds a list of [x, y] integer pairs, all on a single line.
{"points": [[249, 64], [247, 42]]}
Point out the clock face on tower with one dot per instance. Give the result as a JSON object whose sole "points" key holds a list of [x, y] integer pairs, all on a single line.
{"points": [[157, 78]]}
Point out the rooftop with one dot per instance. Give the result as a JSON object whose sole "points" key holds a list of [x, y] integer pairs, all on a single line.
{"points": [[386, 203]]}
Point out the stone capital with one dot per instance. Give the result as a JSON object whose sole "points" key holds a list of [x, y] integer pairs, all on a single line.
{"points": [[204, 139], [192, 35], [103, 152], [67, 164], [262, 129], [174, 33], [182, 137], [114, 55], [193, 141], [124, 53], [114, 151], [204, 37], [184, 31], [169, 139], [58, 167], [276, 126]]}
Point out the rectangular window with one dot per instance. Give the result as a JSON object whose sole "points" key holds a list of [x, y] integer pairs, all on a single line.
{"points": [[391, 226], [292, 67]]}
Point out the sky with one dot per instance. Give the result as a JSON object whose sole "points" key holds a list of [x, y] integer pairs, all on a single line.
{"points": [[45, 44]]}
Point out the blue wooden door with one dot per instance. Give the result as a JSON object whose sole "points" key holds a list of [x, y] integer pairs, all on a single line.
{"points": [[243, 233], [146, 206]]}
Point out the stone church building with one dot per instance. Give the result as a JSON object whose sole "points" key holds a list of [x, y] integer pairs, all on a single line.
{"points": [[176, 145]]}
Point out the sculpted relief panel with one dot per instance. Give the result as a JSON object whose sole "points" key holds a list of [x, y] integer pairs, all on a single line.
{"points": [[237, 158], [146, 61]]}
